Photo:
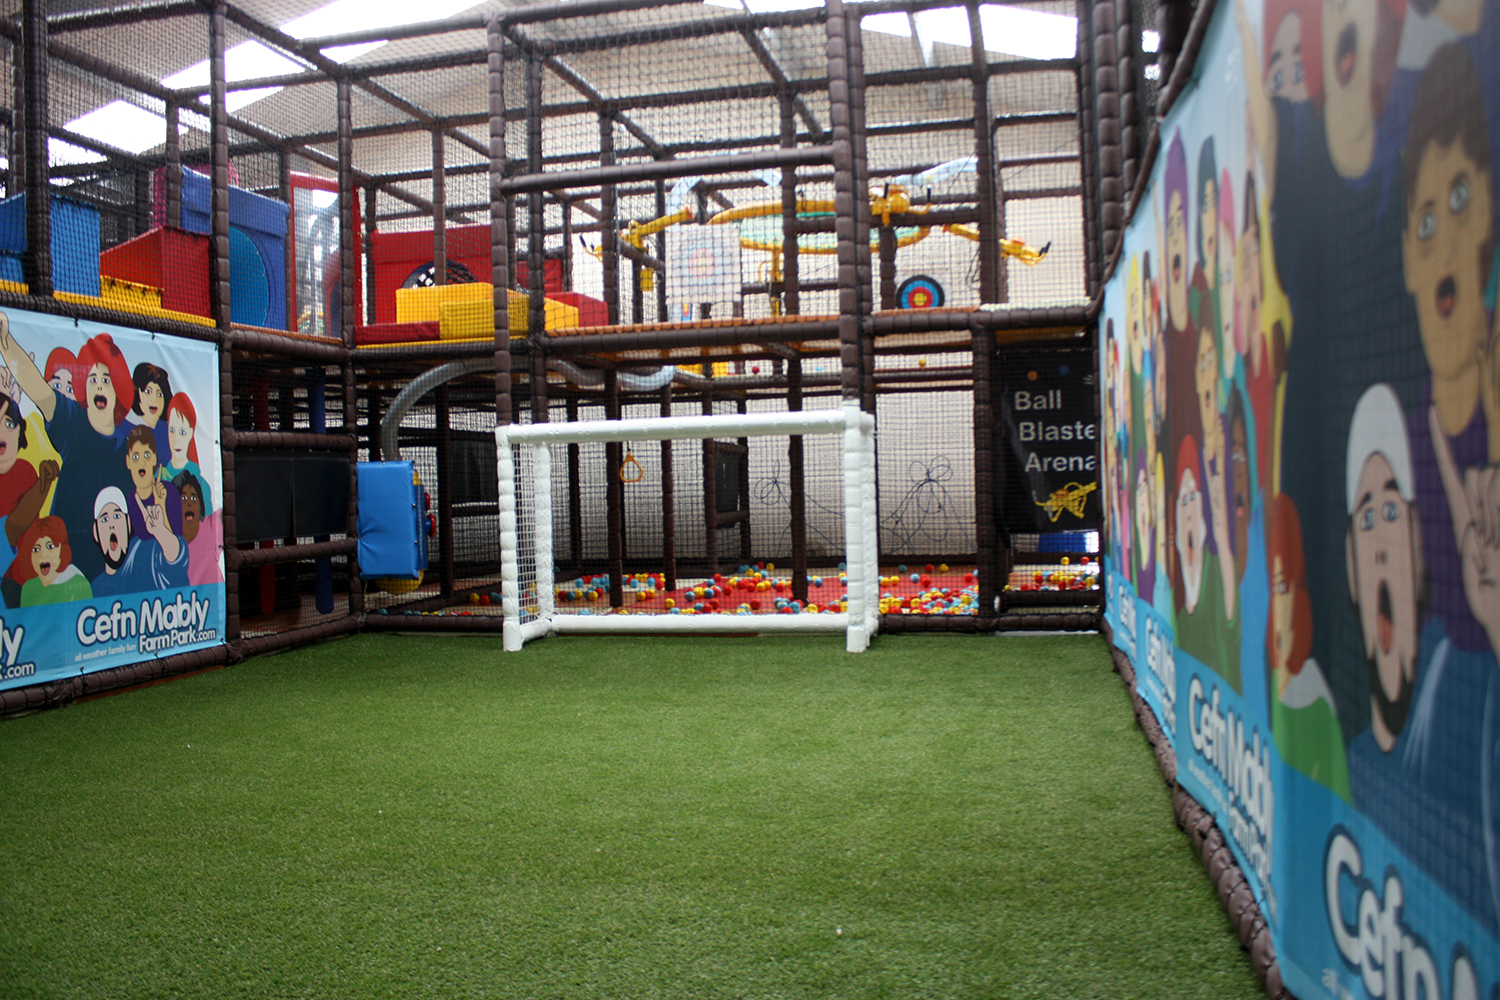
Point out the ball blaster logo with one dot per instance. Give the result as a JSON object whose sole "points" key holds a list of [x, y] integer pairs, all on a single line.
{"points": [[1070, 498]]}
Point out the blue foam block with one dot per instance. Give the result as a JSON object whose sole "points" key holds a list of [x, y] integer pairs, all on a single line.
{"points": [[257, 249], [392, 524], [75, 242]]}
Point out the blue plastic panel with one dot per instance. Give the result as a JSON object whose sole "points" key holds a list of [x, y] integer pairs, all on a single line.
{"points": [[392, 523]]}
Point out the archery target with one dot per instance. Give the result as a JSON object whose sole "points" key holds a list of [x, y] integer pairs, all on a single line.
{"points": [[919, 292]]}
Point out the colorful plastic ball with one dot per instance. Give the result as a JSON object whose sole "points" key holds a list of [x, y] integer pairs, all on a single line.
{"points": [[901, 568], [1064, 560], [473, 598], [943, 568], [926, 581], [816, 581], [670, 604]]}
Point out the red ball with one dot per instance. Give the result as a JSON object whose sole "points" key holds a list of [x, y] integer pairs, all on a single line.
{"points": [[484, 598]]}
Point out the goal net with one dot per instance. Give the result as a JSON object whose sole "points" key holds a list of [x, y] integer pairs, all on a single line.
{"points": [[529, 455]]}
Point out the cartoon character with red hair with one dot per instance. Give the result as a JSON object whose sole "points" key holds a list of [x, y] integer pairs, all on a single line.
{"points": [[1304, 719], [64, 372], [88, 433], [47, 571], [182, 448]]}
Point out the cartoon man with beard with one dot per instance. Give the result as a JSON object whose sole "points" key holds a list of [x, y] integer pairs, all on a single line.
{"points": [[1421, 761], [156, 562], [1384, 558]]}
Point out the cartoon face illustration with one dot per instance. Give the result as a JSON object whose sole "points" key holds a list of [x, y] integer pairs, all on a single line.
{"points": [[140, 459], [1206, 378], [12, 434], [1192, 533], [192, 511], [151, 400], [1283, 599], [112, 532], [1348, 29], [62, 381], [1247, 291], [1177, 262], [1208, 228], [179, 436], [1285, 74], [1445, 252], [1384, 573], [99, 398], [46, 559]]}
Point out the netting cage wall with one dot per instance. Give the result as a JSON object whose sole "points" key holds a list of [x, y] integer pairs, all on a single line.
{"points": [[398, 237]]}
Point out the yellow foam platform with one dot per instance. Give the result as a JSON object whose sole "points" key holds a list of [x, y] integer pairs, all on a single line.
{"points": [[469, 320], [424, 305], [128, 296], [557, 316]]}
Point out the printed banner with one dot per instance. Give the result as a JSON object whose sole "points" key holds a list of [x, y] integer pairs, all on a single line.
{"points": [[709, 273], [1050, 441], [111, 495], [1301, 478]]}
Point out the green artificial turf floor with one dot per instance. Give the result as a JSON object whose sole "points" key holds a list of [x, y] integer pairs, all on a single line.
{"points": [[395, 816]]}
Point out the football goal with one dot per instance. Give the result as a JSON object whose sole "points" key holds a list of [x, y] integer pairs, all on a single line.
{"points": [[527, 561]]}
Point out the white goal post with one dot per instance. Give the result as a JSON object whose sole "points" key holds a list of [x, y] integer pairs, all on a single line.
{"points": [[537, 619]]}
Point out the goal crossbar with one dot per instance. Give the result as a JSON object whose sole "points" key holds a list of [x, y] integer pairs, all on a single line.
{"points": [[862, 574]]}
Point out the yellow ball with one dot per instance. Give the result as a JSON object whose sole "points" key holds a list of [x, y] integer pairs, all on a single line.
{"points": [[397, 585], [671, 604]]}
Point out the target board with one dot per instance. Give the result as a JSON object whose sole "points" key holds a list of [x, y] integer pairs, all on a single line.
{"points": [[919, 292]]}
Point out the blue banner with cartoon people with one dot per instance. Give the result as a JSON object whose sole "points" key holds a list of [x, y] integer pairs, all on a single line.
{"points": [[1301, 462], [110, 497]]}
